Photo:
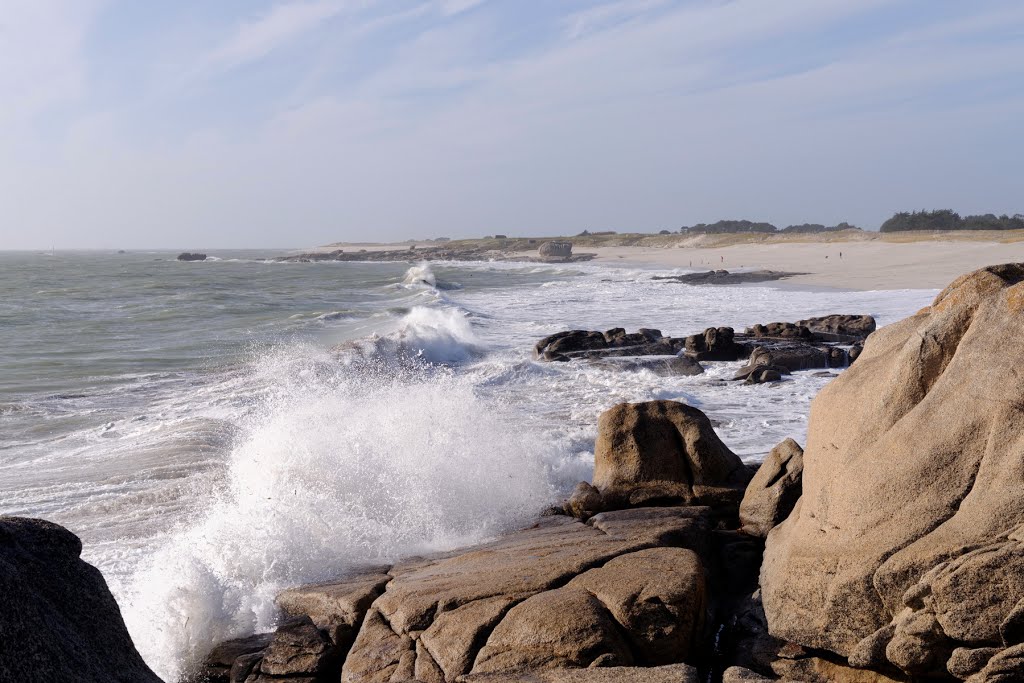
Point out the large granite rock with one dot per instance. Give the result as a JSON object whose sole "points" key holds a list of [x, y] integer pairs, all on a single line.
{"points": [[774, 490], [58, 620], [672, 673], [715, 343], [626, 588], [906, 543], [664, 452]]}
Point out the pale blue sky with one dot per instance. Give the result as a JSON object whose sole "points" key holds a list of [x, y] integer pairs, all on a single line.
{"points": [[231, 123]]}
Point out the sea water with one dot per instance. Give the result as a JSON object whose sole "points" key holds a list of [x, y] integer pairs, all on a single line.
{"points": [[217, 431]]}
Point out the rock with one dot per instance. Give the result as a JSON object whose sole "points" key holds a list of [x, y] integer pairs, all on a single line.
{"points": [[754, 373], [337, 607], [764, 374], [615, 342], [298, 648], [780, 331], [663, 451], [792, 357], [774, 490], [840, 327], [218, 666], [673, 673], [1005, 667], [813, 669], [663, 366], [737, 674], [911, 504], [966, 662], [724, 277], [854, 352], [715, 343], [442, 618], [190, 256], [555, 250], [59, 621], [585, 501]]}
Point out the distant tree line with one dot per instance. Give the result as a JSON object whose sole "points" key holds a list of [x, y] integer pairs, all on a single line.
{"points": [[750, 226], [947, 219]]}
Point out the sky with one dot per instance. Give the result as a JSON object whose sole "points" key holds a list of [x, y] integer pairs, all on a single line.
{"points": [[290, 123]]}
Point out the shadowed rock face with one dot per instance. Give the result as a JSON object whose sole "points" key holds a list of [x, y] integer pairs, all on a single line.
{"points": [[908, 542], [58, 620], [774, 490]]}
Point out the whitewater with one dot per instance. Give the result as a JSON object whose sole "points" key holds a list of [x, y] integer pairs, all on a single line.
{"points": [[218, 431]]}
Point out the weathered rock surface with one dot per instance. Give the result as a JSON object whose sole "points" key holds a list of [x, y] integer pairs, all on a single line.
{"points": [[672, 673], [625, 588], [774, 490], [58, 620], [906, 543], [555, 250], [663, 452], [840, 327]]}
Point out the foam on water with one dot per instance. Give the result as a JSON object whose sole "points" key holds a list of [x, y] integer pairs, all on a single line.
{"points": [[333, 470]]}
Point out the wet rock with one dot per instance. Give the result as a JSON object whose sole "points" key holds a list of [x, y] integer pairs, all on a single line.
{"points": [[612, 343], [219, 664], [59, 621], [664, 451], [585, 501], [792, 357], [774, 490], [715, 343], [664, 366], [298, 648], [191, 256], [840, 327], [780, 331], [337, 607], [724, 277]]}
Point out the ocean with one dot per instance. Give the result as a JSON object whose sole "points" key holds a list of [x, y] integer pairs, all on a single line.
{"points": [[217, 431]]}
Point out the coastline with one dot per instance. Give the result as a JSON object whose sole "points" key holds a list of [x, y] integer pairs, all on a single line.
{"points": [[869, 262]]}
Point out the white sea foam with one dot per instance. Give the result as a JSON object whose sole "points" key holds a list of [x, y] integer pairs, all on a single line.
{"points": [[333, 470]]}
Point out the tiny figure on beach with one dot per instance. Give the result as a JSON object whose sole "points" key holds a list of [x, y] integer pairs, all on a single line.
{"points": [[840, 255]]}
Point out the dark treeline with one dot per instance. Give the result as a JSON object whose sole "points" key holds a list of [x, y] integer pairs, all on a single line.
{"points": [[750, 226], [946, 219]]}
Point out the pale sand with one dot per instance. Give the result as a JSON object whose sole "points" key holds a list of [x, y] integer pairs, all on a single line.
{"points": [[869, 265]]}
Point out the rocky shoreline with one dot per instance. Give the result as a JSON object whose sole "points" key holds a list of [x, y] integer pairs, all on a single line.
{"points": [[442, 253], [890, 548]]}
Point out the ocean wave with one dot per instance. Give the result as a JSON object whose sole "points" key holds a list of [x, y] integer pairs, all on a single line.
{"points": [[337, 468]]}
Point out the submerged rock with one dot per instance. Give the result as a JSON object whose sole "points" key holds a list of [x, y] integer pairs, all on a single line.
{"points": [[724, 277], [908, 543], [570, 344], [58, 620]]}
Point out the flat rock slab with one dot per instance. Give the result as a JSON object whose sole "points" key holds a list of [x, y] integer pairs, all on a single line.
{"points": [[674, 673], [442, 618]]}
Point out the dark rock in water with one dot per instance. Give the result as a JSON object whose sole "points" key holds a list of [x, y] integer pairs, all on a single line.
{"points": [[753, 372], [661, 452], [665, 366], [58, 620], [792, 357], [780, 331], [564, 346], [774, 490], [840, 327], [724, 277], [765, 374], [715, 343], [190, 256], [854, 352]]}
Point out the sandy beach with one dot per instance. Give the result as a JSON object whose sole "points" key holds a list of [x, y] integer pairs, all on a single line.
{"points": [[870, 265]]}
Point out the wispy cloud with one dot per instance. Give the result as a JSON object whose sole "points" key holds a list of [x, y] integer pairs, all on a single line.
{"points": [[256, 38]]}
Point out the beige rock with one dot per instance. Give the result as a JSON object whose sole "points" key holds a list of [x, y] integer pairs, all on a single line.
{"points": [[674, 673], [664, 451], [737, 674], [819, 670], [914, 456], [457, 614], [337, 607], [1005, 667], [965, 662], [774, 490]]}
